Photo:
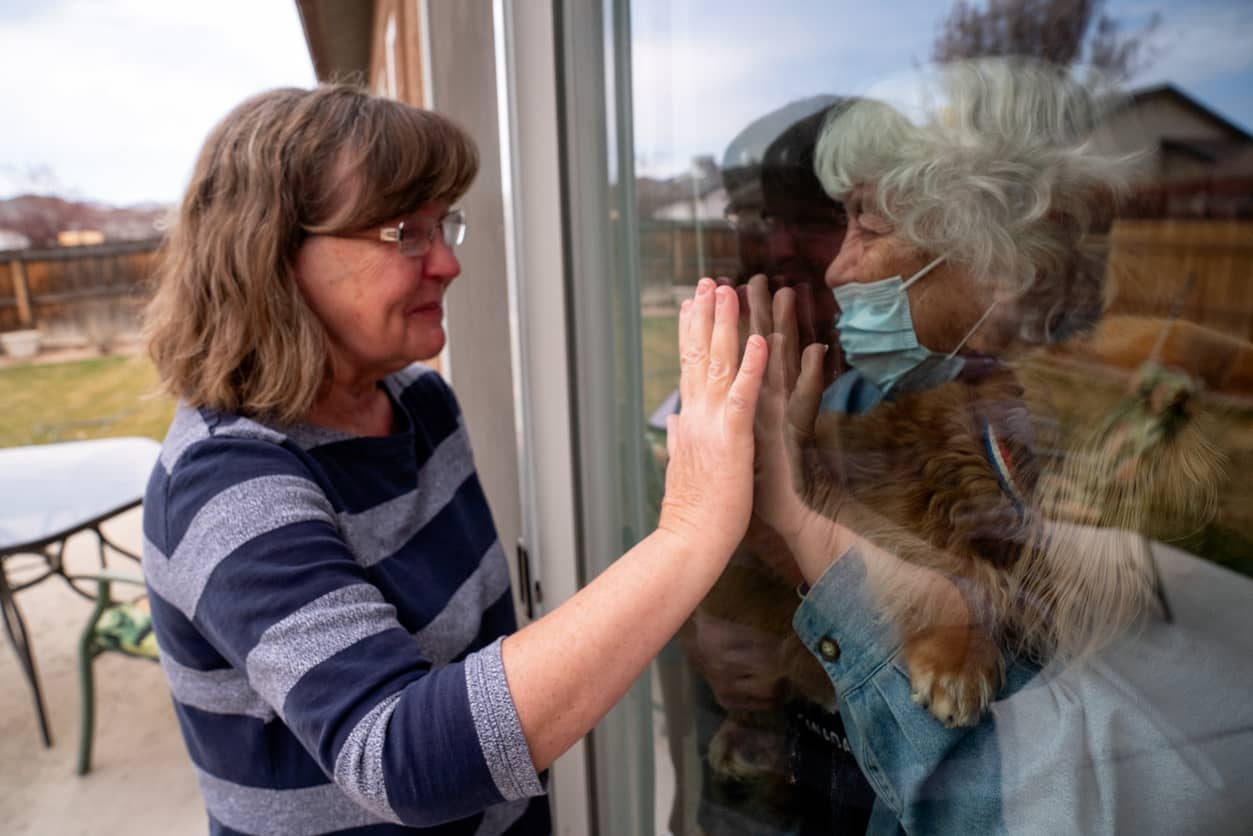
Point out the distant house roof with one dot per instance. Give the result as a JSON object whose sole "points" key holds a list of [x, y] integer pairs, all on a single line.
{"points": [[13, 240], [1170, 91], [710, 207], [338, 34]]}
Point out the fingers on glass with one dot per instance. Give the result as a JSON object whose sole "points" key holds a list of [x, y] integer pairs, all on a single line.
{"points": [[785, 313], [724, 346], [685, 340], [759, 305], [807, 395], [748, 382], [774, 363], [805, 314], [695, 353], [785, 324]]}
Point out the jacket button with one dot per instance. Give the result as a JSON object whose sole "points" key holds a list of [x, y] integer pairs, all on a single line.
{"points": [[829, 649]]}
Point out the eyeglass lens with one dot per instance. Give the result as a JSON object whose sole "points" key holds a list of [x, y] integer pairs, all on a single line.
{"points": [[453, 228], [415, 241]]}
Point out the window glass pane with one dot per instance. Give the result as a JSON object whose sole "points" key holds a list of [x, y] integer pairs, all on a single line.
{"points": [[1031, 461]]}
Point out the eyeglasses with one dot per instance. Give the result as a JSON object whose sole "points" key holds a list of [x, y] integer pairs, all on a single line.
{"points": [[749, 221], [819, 220], [413, 238]]}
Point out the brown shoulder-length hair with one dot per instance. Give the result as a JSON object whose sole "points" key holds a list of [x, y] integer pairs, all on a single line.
{"points": [[227, 326]]}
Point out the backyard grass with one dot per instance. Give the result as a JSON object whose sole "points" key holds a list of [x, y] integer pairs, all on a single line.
{"points": [[113, 396], [660, 358], [100, 397]]}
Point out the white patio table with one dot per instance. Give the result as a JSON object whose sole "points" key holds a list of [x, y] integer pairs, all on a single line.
{"points": [[48, 493]]}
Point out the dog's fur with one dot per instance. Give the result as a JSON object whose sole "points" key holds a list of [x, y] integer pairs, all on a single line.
{"points": [[1056, 571], [915, 481], [1062, 568], [918, 462]]}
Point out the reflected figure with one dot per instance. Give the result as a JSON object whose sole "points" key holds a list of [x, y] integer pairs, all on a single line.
{"points": [[774, 750], [787, 227], [962, 233], [910, 490]]}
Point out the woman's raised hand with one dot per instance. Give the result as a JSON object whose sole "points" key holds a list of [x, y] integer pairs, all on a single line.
{"points": [[786, 412], [709, 478]]}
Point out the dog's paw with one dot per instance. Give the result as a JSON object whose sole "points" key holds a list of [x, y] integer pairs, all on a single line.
{"points": [[746, 753], [954, 672]]}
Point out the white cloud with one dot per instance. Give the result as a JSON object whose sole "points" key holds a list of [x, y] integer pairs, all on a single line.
{"points": [[704, 69], [1198, 47], [116, 97]]}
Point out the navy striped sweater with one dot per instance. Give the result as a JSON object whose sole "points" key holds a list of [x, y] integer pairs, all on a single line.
{"points": [[329, 610]]}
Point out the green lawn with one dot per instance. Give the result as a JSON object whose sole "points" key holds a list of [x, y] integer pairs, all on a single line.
{"points": [[96, 398], [114, 396], [660, 358]]}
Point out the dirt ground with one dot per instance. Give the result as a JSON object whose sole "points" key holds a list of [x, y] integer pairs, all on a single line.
{"points": [[141, 782], [128, 345]]}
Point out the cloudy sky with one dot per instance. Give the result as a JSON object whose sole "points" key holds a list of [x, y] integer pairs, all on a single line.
{"points": [[703, 69], [110, 99]]}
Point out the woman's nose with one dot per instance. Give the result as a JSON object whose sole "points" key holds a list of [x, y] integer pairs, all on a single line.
{"points": [[440, 262], [841, 270]]}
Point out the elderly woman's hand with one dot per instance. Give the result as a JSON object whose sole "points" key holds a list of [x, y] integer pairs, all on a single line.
{"points": [[794, 492], [709, 478]]}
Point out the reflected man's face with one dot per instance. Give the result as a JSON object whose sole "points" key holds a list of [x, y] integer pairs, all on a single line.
{"points": [[792, 243]]}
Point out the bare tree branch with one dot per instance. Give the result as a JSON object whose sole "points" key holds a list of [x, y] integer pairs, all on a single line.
{"points": [[1062, 32]]}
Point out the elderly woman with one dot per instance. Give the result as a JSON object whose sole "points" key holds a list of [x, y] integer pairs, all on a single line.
{"points": [[961, 233], [327, 587], [905, 490]]}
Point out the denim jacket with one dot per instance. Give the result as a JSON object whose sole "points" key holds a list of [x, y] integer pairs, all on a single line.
{"points": [[1154, 736]]}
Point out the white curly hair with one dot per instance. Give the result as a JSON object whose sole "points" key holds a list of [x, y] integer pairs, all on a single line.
{"points": [[1002, 179]]}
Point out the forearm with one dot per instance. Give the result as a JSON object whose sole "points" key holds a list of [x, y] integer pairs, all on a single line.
{"points": [[816, 542], [568, 669]]}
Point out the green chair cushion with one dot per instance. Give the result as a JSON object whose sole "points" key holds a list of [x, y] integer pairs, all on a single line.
{"points": [[126, 628]]}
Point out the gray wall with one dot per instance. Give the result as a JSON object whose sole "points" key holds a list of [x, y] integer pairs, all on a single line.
{"points": [[463, 87]]}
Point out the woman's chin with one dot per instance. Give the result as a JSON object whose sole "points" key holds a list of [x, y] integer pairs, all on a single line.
{"points": [[430, 347]]}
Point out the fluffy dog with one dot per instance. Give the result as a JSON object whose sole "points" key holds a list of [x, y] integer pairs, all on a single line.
{"points": [[1030, 552]]}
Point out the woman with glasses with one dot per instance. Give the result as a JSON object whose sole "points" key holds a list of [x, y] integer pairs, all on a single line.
{"points": [[329, 595]]}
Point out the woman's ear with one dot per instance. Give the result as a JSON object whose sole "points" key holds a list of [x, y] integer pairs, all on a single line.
{"points": [[1002, 326]]}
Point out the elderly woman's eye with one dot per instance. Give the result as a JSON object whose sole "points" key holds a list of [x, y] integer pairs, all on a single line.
{"points": [[873, 224]]}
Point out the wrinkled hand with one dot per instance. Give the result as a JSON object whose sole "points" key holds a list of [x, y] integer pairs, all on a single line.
{"points": [[810, 327], [709, 478], [742, 665], [785, 488]]}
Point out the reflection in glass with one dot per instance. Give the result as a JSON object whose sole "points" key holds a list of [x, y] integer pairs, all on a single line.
{"points": [[1072, 443]]}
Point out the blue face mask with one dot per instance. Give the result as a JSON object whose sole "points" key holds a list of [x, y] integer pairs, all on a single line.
{"points": [[878, 338]]}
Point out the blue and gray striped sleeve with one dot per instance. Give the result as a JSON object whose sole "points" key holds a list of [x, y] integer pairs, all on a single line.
{"points": [[248, 549]]}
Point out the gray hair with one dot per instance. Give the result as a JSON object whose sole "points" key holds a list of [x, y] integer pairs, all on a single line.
{"points": [[1003, 179]]}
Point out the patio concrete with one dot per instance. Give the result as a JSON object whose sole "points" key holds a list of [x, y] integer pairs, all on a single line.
{"points": [[141, 783]]}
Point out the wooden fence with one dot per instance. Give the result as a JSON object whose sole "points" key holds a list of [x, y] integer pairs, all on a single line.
{"points": [[1150, 262], [66, 289], [674, 253]]}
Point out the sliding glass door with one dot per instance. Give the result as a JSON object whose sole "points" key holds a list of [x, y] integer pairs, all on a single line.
{"points": [[690, 138]]}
